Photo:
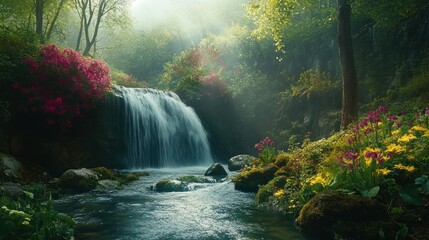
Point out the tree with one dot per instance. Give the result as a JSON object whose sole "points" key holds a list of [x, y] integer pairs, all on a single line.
{"points": [[350, 84], [272, 18], [91, 14]]}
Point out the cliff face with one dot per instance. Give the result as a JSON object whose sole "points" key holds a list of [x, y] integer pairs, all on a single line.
{"points": [[93, 141]]}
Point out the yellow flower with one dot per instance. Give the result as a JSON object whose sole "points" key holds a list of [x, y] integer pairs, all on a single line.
{"points": [[426, 134], [368, 161], [383, 171], [395, 148], [319, 178], [396, 132], [279, 193], [410, 157], [405, 168], [407, 138], [418, 128]]}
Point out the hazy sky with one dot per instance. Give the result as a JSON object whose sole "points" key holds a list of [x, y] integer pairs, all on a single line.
{"points": [[188, 15]]}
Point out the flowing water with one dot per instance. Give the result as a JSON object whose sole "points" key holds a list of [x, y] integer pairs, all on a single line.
{"points": [[211, 211], [158, 129]]}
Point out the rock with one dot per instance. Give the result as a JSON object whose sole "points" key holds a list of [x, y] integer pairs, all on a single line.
{"points": [[250, 180], [12, 189], [131, 177], [107, 185], [216, 170], [334, 212], [195, 179], [168, 185], [10, 168], [79, 180], [237, 162], [104, 173]]}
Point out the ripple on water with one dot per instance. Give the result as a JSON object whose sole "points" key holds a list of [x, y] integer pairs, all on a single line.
{"points": [[211, 211]]}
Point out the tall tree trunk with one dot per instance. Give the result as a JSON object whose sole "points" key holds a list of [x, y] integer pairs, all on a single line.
{"points": [[54, 20], [345, 45], [39, 18]]}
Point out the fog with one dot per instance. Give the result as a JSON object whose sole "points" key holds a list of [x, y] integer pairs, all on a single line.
{"points": [[193, 18]]}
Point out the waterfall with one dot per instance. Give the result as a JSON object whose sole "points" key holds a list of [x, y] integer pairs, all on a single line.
{"points": [[158, 130]]}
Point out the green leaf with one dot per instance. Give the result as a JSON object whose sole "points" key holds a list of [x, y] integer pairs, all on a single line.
{"points": [[370, 193], [421, 180], [409, 193]]}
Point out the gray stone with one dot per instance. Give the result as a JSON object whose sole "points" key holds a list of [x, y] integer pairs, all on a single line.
{"points": [[10, 168], [12, 189], [216, 170], [237, 162], [79, 180], [168, 185]]}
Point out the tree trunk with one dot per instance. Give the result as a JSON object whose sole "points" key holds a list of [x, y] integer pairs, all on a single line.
{"points": [[345, 45], [39, 18], [54, 20]]}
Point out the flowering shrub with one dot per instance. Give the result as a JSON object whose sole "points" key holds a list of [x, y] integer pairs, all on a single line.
{"points": [[213, 86], [63, 84], [266, 149], [384, 145], [195, 74]]}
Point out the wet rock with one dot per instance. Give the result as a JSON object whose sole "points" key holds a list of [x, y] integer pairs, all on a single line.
{"points": [[103, 173], [349, 216], [168, 185], [250, 180], [107, 185], [79, 180], [195, 179], [216, 170], [12, 189], [131, 177], [10, 168], [237, 162]]}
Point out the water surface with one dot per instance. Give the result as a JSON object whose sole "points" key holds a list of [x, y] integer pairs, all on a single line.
{"points": [[211, 211]]}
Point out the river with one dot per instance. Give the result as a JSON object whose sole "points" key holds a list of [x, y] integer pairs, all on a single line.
{"points": [[211, 211]]}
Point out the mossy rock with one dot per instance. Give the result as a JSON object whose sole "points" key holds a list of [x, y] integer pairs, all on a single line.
{"points": [[194, 179], [266, 191], [168, 185], [79, 180], [130, 177], [250, 180], [104, 173], [237, 162], [323, 215]]}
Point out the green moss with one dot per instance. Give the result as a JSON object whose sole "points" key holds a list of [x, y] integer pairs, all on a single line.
{"points": [[104, 173], [194, 179]]}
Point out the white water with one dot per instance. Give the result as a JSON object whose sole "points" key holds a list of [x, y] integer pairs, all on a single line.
{"points": [[161, 131]]}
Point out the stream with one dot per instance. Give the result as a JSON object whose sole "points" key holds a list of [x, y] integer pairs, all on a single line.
{"points": [[210, 211]]}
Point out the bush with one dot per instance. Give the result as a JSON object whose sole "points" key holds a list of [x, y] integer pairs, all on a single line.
{"points": [[62, 84]]}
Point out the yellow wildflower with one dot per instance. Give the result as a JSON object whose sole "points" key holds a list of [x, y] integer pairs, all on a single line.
{"points": [[279, 193], [383, 171], [368, 161], [418, 128], [396, 132], [407, 138], [396, 148], [319, 178], [426, 134], [410, 157], [405, 168]]}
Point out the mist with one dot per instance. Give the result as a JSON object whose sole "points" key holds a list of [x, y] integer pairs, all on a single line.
{"points": [[194, 19]]}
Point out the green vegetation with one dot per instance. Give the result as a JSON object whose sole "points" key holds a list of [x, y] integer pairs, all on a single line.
{"points": [[32, 216]]}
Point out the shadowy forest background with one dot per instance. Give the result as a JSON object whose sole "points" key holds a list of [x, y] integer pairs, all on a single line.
{"points": [[245, 75]]}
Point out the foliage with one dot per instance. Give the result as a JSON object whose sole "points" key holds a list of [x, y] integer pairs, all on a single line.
{"points": [[62, 84], [312, 82], [195, 74], [126, 80], [32, 217], [266, 150]]}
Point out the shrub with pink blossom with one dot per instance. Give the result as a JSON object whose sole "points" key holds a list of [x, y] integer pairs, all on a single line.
{"points": [[62, 84]]}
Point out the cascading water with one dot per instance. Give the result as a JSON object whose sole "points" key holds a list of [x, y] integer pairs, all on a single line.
{"points": [[159, 130]]}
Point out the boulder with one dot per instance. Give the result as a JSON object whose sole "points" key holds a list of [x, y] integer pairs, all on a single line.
{"points": [[168, 185], [250, 180], [332, 212], [12, 189], [79, 180], [237, 162], [10, 168], [216, 170], [107, 185]]}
